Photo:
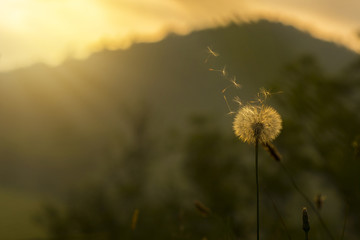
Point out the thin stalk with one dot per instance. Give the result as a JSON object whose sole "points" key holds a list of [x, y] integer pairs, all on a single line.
{"points": [[306, 225], [278, 213], [308, 201], [257, 189]]}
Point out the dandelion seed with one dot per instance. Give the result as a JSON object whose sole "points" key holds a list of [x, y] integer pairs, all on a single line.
{"points": [[254, 123], [227, 104], [223, 71], [237, 100], [265, 93], [211, 52], [233, 81]]}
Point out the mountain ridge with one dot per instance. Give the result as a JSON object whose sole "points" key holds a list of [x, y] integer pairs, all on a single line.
{"points": [[57, 120]]}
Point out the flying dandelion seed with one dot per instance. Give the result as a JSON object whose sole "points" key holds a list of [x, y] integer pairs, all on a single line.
{"points": [[262, 95], [224, 74], [237, 100], [254, 123], [223, 71], [228, 106], [211, 52], [236, 84]]}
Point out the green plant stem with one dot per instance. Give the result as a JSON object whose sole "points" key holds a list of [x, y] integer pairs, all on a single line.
{"points": [[257, 189], [306, 236], [308, 201]]}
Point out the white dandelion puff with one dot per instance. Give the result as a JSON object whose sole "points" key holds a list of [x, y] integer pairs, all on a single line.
{"points": [[257, 123]]}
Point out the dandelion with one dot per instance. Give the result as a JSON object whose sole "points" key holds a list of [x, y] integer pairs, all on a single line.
{"points": [[257, 123]]}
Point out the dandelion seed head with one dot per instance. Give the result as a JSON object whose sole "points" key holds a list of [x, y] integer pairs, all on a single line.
{"points": [[254, 122]]}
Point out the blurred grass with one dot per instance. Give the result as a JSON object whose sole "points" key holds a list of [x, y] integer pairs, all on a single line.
{"points": [[17, 215]]}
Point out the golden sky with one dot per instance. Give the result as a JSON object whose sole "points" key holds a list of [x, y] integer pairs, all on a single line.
{"points": [[49, 31]]}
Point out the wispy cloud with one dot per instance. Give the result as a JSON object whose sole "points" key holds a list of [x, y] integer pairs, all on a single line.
{"points": [[49, 31]]}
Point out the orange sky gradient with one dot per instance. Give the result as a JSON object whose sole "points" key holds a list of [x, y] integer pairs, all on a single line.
{"points": [[49, 31]]}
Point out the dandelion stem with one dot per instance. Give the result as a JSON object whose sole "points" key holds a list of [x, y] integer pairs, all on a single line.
{"points": [[257, 188]]}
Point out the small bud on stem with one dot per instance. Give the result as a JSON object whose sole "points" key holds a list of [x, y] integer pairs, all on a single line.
{"points": [[306, 225]]}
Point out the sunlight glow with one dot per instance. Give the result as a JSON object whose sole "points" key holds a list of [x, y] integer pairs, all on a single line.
{"points": [[50, 31]]}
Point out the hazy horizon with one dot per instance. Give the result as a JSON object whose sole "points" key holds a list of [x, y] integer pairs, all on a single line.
{"points": [[49, 31]]}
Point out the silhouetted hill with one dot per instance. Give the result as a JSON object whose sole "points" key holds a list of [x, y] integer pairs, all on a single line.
{"points": [[59, 123]]}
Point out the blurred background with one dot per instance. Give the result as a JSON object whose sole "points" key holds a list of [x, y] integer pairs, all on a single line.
{"points": [[116, 122]]}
